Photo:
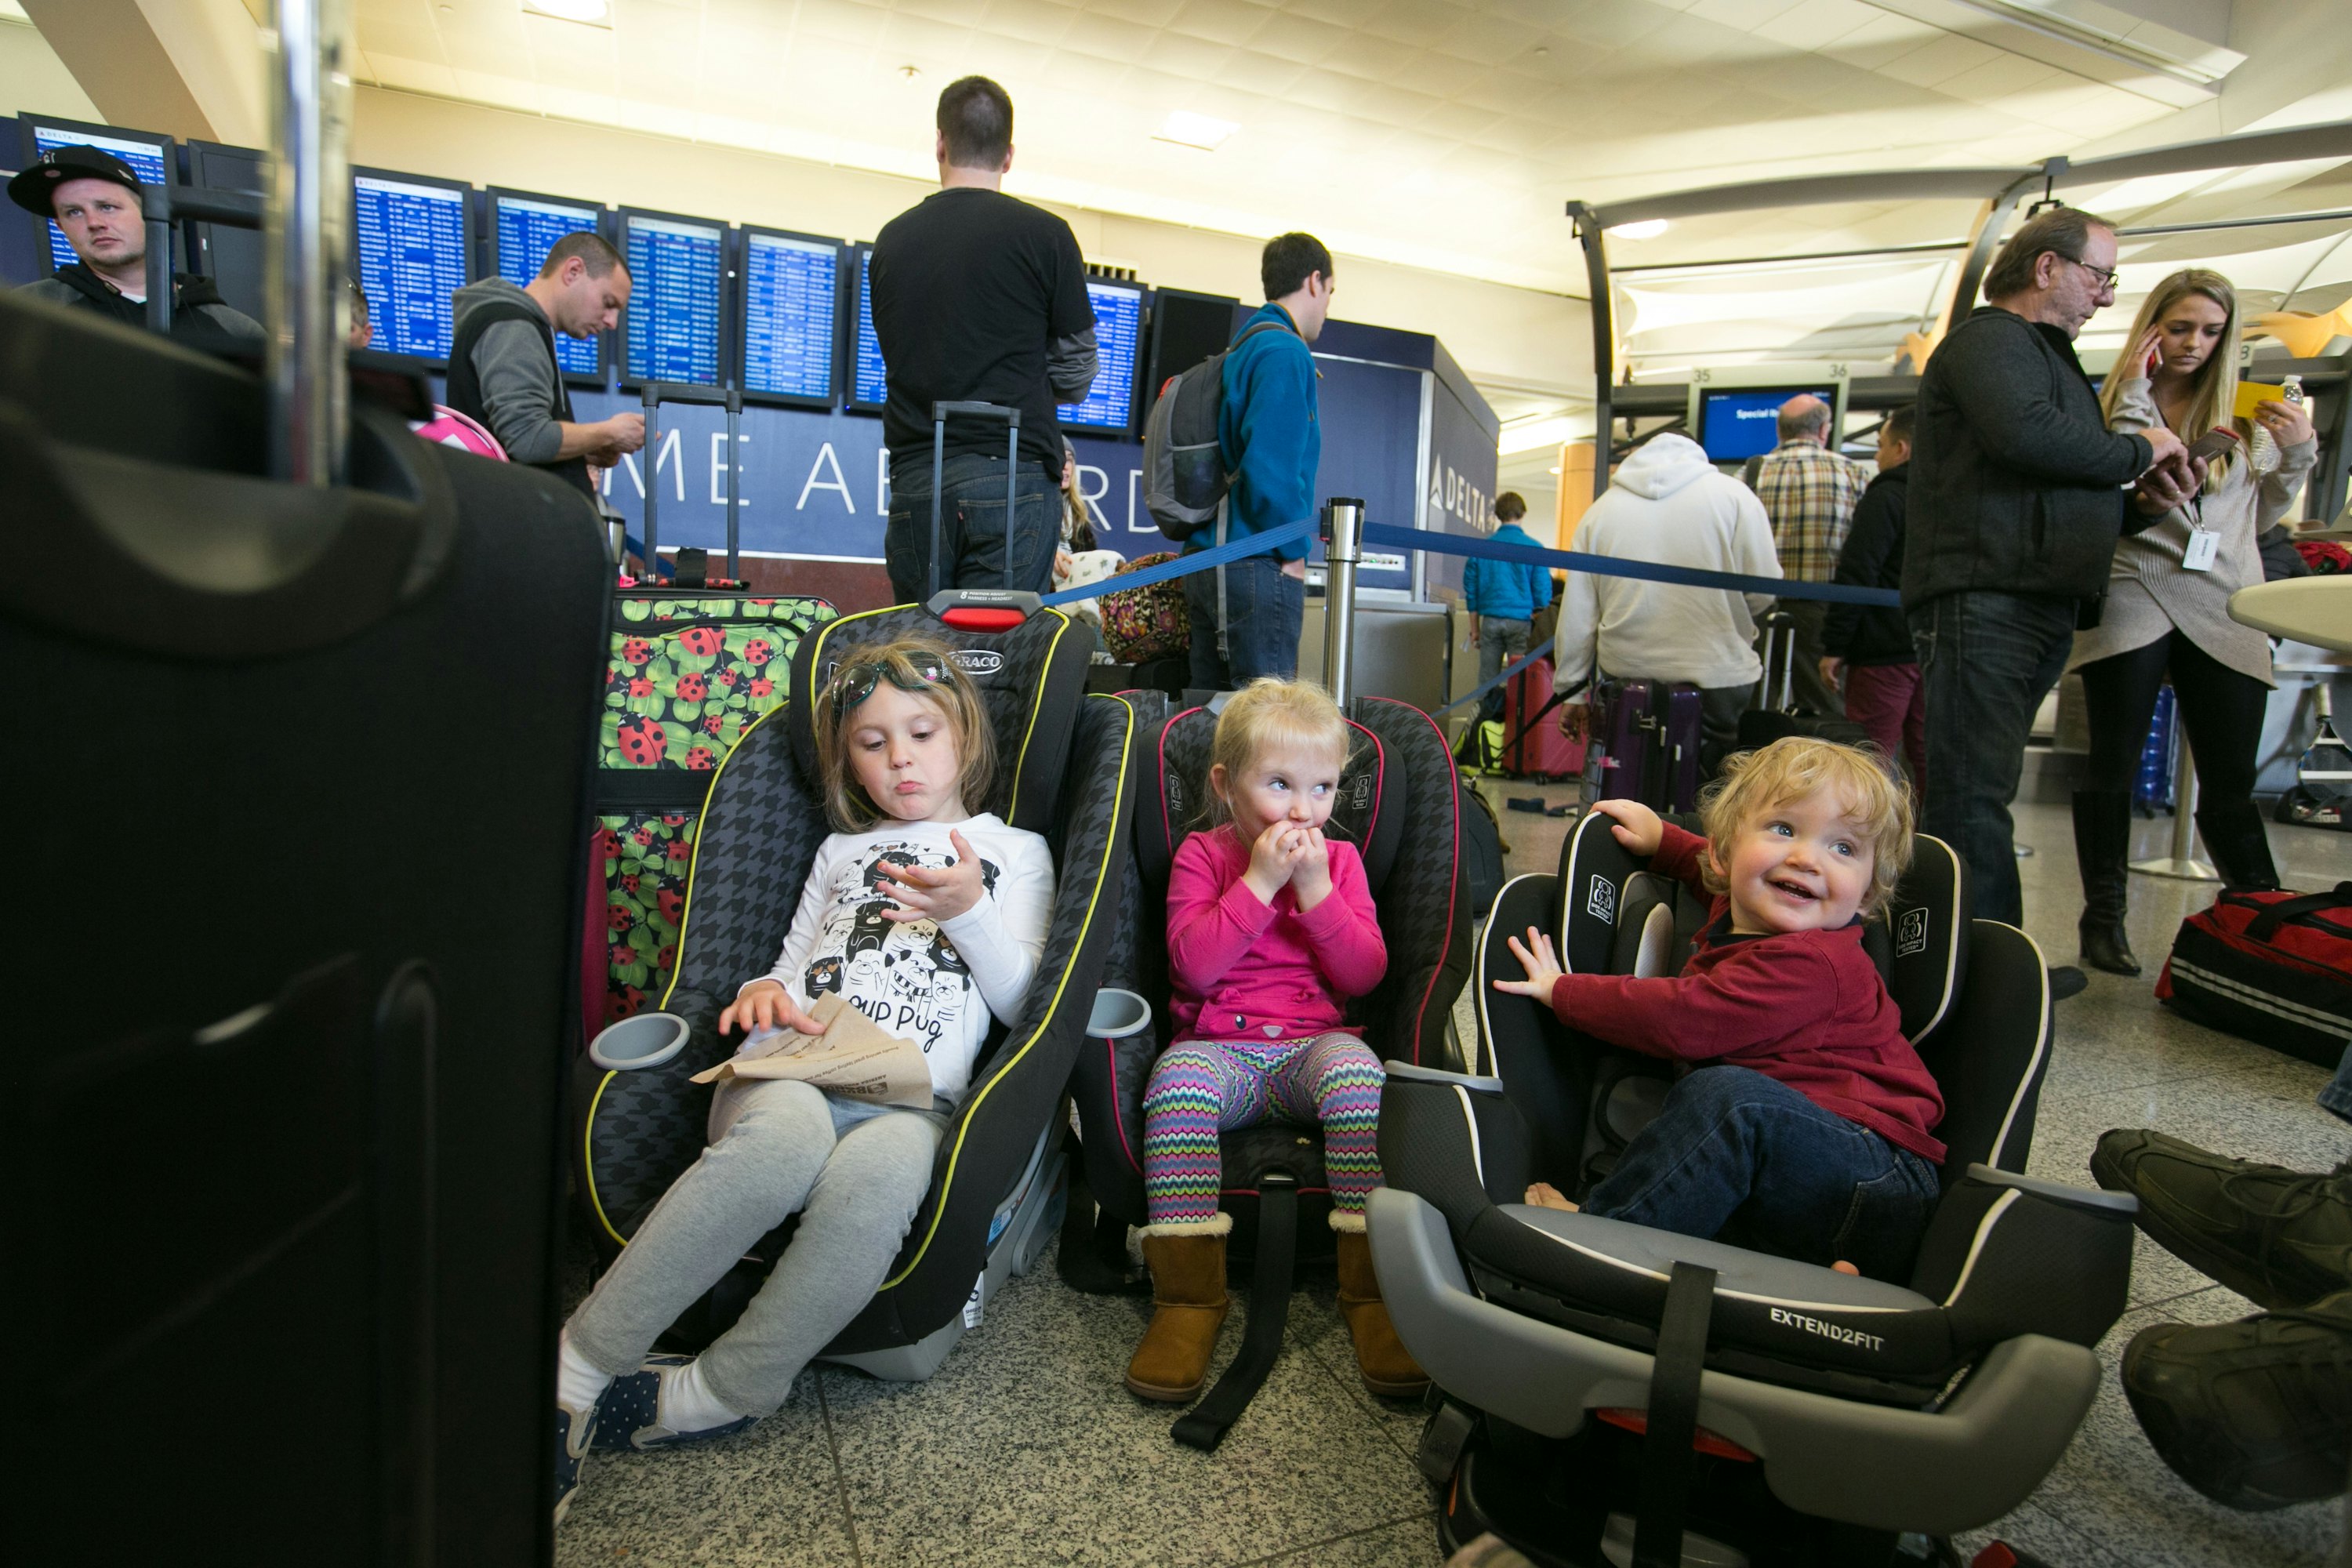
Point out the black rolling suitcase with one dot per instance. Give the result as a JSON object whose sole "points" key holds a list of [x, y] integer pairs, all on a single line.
{"points": [[941, 573], [284, 1091], [694, 663], [1776, 714]]}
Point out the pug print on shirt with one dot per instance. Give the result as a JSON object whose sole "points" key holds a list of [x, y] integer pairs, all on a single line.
{"points": [[905, 975]]}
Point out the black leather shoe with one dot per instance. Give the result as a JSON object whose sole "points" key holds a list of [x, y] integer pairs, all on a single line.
{"points": [[2255, 1414], [2106, 947], [2278, 1237], [2065, 981]]}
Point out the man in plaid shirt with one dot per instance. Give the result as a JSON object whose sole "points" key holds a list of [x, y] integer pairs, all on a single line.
{"points": [[1809, 492]]}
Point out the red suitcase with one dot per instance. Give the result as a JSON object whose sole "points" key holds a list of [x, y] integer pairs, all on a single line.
{"points": [[1533, 747]]}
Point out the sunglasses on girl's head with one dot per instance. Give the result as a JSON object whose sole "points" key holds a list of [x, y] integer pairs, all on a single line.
{"points": [[854, 685]]}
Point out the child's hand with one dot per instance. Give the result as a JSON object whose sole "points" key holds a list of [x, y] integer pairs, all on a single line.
{"points": [[1637, 827], [925, 893], [1311, 876], [765, 1004], [1274, 858], [1541, 964]]}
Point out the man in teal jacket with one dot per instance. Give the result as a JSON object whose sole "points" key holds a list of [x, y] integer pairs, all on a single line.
{"points": [[1503, 596], [1245, 616]]}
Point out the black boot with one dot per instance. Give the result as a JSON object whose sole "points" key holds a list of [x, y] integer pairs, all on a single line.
{"points": [[2241, 850], [2102, 839]]}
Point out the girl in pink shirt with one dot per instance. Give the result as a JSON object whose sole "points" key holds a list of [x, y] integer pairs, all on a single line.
{"points": [[1270, 928]]}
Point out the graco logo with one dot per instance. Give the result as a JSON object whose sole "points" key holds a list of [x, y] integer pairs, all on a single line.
{"points": [[978, 660], [1601, 901], [1911, 933]]}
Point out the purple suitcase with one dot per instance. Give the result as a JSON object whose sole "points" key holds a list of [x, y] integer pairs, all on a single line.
{"points": [[1676, 710], [1618, 763]]}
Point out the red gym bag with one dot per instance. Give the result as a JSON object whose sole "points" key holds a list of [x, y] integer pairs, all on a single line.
{"points": [[2273, 968]]}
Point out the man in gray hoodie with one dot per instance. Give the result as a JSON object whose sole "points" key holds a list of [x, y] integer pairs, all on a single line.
{"points": [[502, 366]]}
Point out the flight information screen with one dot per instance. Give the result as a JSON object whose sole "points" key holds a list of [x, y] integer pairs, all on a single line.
{"points": [[867, 383], [145, 158], [1118, 329], [527, 228], [676, 265], [411, 239], [788, 315]]}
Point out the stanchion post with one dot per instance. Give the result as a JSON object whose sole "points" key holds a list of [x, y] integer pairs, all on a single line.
{"points": [[2182, 863], [652, 449], [1343, 526], [306, 249]]}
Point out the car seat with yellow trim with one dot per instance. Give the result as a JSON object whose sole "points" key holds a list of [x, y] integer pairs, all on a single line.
{"points": [[1399, 803], [1064, 772], [1609, 1393]]}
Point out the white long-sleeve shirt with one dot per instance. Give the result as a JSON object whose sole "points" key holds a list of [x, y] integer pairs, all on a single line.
{"points": [[1668, 504], [919, 979]]}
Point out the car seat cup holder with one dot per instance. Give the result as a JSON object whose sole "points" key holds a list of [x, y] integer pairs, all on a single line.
{"points": [[646, 1040], [1117, 1014]]}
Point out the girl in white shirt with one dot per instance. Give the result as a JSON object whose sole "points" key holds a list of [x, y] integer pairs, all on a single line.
{"points": [[930, 921]]}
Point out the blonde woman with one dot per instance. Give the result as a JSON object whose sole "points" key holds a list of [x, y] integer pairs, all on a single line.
{"points": [[2168, 603]]}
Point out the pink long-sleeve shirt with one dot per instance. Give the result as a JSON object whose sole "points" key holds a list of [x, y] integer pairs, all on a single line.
{"points": [[1247, 970]]}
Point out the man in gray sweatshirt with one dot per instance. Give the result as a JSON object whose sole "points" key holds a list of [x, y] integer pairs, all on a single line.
{"points": [[502, 365]]}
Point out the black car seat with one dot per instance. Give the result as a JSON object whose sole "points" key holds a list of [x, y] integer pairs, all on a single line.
{"points": [[1064, 772], [1775, 1411], [1399, 803]]}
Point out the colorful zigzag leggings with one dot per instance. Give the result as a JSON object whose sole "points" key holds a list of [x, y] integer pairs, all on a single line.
{"points": [[1205, 1086]]}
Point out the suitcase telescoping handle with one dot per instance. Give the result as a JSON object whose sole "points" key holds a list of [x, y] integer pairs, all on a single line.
{"points": [[940, 414], [1780, 649], [653, 393]]}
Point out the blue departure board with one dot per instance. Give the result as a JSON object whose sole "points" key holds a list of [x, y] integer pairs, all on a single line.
{"points": [[676, 265], [867, 383], [789, 320], [524, 229], [145, 158], [1118, 331], [411, 238]]}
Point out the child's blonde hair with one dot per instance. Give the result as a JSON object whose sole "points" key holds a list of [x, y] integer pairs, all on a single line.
{"points": [[1796, 767], [1267, 713], [906, 664]]}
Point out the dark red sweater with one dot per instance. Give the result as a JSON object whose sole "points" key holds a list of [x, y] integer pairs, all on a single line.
{"points": [[1806, 1008]]}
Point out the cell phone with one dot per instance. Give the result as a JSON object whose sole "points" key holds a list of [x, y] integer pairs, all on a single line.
{"points": [[2214, 443]]}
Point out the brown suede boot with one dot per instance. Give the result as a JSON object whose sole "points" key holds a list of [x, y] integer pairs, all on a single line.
{"points": [[1382, 1360], [1188, 1305]]}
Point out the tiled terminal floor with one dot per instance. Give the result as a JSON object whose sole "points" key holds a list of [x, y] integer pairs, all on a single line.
{"points": [[1025, 1448]]}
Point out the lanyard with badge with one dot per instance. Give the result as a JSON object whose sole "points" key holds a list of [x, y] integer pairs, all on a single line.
{"points": [[2204, 544]]}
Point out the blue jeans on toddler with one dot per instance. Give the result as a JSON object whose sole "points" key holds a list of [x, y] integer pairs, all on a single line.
{"points": [[1802, 1182]]}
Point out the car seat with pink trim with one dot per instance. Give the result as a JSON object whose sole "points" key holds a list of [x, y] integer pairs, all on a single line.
{"points": [[1608, 1393], [1399, 803], [1064, 772]]}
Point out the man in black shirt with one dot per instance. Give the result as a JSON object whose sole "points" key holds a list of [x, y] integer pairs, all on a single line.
{"points": [[93, 197], [977, 297]]}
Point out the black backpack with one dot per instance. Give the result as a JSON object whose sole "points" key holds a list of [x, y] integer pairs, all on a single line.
{"points": [[1184, 477]]}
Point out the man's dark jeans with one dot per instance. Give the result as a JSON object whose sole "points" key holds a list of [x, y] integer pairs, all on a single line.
{"points": [[1802, 1182], [1264, 611], [1985, 661], [971, 527]]}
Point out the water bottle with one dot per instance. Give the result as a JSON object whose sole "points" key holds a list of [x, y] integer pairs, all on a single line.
{"points": [[2291, 389]]}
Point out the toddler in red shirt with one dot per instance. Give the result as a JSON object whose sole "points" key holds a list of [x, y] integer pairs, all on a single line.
{"points": [[1802, 1109]]}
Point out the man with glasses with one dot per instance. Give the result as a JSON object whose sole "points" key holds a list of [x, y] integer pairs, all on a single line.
{"points": [[2019, 492]]}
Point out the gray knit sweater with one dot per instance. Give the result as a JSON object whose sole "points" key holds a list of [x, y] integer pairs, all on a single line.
{"points": [[2149, 593]]}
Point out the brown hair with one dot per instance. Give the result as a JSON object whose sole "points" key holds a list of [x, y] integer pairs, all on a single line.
{"points": [[958, 700], [595, 252], [2213, 388], [2061, 231], [1267, 713], [1796, 767]]}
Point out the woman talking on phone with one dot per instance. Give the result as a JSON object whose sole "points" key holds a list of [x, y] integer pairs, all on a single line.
{"points": [[2168, 602]]}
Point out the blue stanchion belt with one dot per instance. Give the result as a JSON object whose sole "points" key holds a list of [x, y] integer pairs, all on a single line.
{"points": [[1185, 565]]}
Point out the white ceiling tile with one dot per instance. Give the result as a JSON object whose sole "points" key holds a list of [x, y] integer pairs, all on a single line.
{"points": [[1373, 58], [1108, 38], [415, 41], [1221, 21], [1148, 12], [1938, 61], [1811, 24], [1260, 73], [1746, 15], [835, 19], [414, 76], [1181, 54], [1489, 40], [1883, 37], [1028, 21], [1298, 39]]}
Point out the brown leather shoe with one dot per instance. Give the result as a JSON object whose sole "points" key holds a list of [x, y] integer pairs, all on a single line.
{"points": [[1188, 1305], [1382, 1360]]}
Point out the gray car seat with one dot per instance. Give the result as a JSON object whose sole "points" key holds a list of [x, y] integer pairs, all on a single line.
{"points": [[1611, 1393], [1062, 772]]}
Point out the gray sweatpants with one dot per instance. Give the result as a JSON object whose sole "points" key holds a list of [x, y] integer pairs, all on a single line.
{"points": [[856, 1175]]}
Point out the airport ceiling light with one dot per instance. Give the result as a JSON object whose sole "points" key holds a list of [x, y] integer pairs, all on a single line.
{"points": [[1648, 229], [595, 13], [1187, 129]]}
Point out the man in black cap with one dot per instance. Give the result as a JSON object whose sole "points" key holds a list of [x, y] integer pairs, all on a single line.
{"points": [[93, 197]]}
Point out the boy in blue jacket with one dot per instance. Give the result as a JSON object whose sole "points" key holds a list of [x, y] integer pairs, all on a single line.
{"points": [[1503, 596]]}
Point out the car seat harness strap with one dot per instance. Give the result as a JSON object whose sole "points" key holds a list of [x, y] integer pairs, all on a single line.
{"points": [[1269, 1308], [1679, 1362]]}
